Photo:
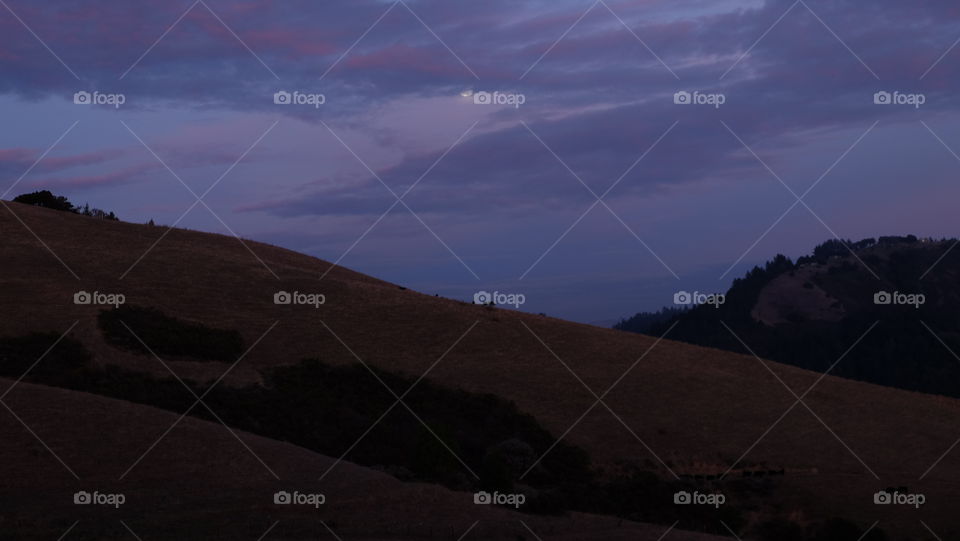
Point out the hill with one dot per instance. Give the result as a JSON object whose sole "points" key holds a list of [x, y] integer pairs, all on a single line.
{"points": [[807, 313], [199, 482], [720, 421]]}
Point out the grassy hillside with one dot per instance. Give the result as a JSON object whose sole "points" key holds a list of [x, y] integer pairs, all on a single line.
{"points": [[674, 408]]}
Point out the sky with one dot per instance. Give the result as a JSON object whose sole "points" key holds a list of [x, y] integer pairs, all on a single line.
{"points": [[593, 156]]}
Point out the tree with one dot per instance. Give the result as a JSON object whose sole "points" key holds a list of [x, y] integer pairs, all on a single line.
{"points": [[46, 199]]}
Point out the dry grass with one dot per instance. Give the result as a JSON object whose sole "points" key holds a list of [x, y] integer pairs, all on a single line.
{"points": [[200, 483], [691, 406]]}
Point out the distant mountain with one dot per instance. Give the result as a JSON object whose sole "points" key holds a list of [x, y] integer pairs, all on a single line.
{"points": [[808, 313], [645, 322]]}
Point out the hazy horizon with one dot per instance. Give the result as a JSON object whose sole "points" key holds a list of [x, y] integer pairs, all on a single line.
{"points": [[502, 196]]}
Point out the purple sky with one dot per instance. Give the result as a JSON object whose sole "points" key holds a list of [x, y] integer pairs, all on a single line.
{"points": [[694, 189]]}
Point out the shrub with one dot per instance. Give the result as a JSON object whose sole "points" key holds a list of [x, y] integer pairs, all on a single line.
{"points": [[168, 335]]}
